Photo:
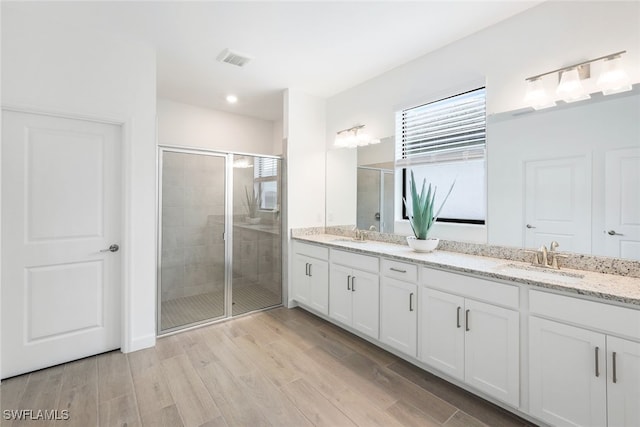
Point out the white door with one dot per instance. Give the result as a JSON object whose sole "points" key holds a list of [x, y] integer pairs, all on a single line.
{"points": [[492, 350], [319, 285], [398, 315], [301, 291], [442, 329], [61, 191], [623, 389], [340, 294], [558, 204], [622, 206], [365, 288], [567, 374]]}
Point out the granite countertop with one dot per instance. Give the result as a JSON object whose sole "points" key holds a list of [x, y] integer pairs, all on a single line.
{"points": [[619, 289]]}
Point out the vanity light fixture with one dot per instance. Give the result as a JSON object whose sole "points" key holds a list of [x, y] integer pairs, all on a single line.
{"points": [[537, 96], [570, 88], [613, 79], [354, 137]]}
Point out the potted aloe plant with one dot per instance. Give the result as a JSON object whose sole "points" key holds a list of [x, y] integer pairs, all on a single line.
{"points": [[252, 204], [421, 215]]}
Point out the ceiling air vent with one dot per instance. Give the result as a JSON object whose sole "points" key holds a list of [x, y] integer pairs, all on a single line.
{"points": [[233, 58]]}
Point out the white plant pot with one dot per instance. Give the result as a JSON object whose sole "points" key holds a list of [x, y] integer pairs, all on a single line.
{"points": [[428, 245], [254, 221]]}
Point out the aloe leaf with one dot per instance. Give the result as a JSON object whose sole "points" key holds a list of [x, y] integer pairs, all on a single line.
{"points": [[422, 215]]}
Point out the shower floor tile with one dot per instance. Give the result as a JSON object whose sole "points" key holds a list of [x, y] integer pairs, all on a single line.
{"points": [[186, 310]]}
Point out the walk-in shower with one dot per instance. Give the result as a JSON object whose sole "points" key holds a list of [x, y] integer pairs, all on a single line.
{"points": [[220, 241], [375, 199]]}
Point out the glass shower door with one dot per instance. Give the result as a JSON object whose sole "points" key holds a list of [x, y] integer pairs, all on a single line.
{"points": [[192, 246], [257, 239]]}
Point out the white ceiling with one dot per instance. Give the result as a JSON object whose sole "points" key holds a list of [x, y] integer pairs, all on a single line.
{"points": [[319, 47]]}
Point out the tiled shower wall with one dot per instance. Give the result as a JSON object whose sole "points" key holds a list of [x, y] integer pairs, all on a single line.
{"points": [[256, 248], [192, 225]]}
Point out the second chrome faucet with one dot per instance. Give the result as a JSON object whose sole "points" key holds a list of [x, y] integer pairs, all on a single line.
{"points": [[547, 258]]}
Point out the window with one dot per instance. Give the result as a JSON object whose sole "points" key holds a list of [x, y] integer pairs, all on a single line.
{"points": [[265, 177], [444, 141]]}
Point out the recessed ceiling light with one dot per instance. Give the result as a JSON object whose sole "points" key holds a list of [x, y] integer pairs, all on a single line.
{"points": [[232, 99]]}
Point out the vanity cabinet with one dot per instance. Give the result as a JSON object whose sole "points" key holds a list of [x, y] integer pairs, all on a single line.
{"points": [[399, 306], [354, 292], [580, 376], [311, 277], [471, 340]]}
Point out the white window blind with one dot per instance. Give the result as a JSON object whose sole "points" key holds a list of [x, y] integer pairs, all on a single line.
{"points": [[265, 167], [447, 130]]}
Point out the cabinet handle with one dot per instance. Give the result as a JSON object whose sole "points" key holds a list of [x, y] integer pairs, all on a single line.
{"points": [[597, 362], [397, 270], [458, 316], [466, 320], [349, 283], [615, 373], [411, 301], [306, 268], [310, 270], [353, 283]]}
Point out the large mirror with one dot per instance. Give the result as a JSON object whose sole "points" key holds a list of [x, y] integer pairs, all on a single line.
{"points": [[569, 173]]}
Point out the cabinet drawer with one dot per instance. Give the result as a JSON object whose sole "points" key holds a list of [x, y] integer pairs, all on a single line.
{"points": [[466, 286], [310, 250], [604, 317], [353, 260], [400, 270]]}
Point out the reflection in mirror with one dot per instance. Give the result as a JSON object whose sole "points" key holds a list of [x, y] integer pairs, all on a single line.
{"points": [[375, 199], [569, 174], [534, 162]]}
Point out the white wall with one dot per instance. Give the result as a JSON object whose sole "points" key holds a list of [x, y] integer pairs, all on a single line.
{"points": [[191, 126], [546, 37], [277, 138], [58, 69], [305, 133]]}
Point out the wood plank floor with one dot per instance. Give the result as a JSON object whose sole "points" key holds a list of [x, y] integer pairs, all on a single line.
{"points": [[275, 368]]}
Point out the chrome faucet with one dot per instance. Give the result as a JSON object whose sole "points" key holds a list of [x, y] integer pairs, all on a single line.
{"points": [[547, 258], [359, 234]]}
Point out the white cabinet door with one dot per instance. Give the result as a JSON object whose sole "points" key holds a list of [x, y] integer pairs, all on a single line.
{"points": [[442, 331], [340, 294], [319, 285], [398, 315], [492, 350], [622, 207], [623, 388], [567, 374], [301, 290], [558, 203], [365, 288]]}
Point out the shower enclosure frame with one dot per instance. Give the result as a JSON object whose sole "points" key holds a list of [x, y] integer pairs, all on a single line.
{"points": [[381, 195], [228, 157]]}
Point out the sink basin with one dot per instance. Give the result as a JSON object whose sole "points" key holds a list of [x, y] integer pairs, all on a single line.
{"points": [[540, 273], [347, 240]]}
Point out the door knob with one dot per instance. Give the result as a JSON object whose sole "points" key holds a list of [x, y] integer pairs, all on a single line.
{"points": [[112, 248], [613, 233], [530, 226]]}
